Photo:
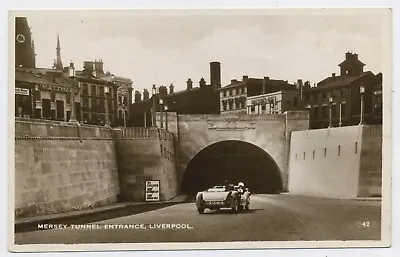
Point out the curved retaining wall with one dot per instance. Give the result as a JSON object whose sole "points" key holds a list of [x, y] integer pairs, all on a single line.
{"points": [[61, 167]]}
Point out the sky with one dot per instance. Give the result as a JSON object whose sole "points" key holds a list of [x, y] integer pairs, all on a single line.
{"points": [[164, 47]]}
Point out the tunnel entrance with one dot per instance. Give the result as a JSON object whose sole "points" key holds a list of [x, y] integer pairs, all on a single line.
{"points": [[235, 161]]}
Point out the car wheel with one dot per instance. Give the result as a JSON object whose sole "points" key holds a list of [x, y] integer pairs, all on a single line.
{"points": [[200, 210]]}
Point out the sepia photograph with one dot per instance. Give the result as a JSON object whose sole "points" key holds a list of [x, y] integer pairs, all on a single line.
{"points": [[199, 129]]}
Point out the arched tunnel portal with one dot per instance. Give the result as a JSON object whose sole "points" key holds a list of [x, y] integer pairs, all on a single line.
{"points": [[235, 161]]}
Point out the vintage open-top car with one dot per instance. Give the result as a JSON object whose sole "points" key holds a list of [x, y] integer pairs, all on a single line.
{"points": [[219, 197]]}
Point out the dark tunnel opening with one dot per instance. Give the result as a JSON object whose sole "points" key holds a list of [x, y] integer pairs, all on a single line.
{"points": [[235, 161]]}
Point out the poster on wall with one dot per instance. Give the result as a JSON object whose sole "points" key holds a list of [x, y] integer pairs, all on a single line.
{"points": [[152, 190]]}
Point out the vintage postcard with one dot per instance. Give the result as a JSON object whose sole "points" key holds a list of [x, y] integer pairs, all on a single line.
{"points": [[200, 129]]}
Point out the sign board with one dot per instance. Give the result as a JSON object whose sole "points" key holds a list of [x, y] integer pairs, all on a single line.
{"points": [[152, 190], [21, 91]]}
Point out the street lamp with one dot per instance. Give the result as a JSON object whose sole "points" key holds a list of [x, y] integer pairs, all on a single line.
{"points": [[153, 112], [161, 102], [72, 76], [106, 92], [362, 91], [308, 108], [330, 111], [166, 117]]}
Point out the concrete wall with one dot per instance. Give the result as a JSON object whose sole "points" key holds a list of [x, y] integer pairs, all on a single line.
{"points": [[145, 154], [269, 132], [336, 162], [59, 168], [370, 182]]}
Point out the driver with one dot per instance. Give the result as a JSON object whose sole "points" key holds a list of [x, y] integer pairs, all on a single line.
{"points": [[241, 187]]}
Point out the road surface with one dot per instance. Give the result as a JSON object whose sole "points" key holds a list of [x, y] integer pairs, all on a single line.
{"points": [[271, 218]]}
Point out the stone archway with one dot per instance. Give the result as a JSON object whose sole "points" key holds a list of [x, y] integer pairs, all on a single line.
{"points": [[235, 161]]}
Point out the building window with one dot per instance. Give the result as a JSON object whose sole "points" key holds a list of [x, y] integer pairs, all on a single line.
{"points": [[93, 89], [85, 89], [324, 111], [355, 147], [230, 104], [230, 92], [313, 154], [323, 95], [295, 101], [53, 96], [252, 109], [101, 91], [85, 101], [325, 152], [224, 92], [102, 105], [333, 110], [38, 95], [68, 98], [263, 107], [344, 110], [315, 112], [338, 150]]}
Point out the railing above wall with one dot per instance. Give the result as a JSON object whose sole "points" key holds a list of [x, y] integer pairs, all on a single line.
{"points": [[141, 133], [34, 128], [45, 129]]}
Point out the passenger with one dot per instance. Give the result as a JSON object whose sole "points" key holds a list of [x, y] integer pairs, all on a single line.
{"points": [[226, 185], [241, 188]]}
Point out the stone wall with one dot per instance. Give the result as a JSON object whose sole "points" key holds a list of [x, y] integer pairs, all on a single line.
{"points": [[336, 162], [145, 154], [59, 167]]}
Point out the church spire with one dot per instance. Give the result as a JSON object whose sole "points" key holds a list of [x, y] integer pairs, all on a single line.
{"points": [[58, 64]]}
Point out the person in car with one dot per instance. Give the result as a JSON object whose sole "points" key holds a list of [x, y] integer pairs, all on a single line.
{"points": [[241, 187]]}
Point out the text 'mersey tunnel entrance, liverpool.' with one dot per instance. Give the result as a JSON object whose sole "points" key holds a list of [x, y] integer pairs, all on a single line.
{"points": [[235, 161]]}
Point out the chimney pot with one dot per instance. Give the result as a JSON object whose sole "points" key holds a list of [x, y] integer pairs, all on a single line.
{"points": [[333, 75], [189, 84]]}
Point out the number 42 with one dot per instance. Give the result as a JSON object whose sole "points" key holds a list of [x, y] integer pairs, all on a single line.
{"points": [[365, 223]]}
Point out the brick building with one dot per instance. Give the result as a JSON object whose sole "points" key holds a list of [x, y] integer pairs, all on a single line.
{"points": [[124, 99], [341, 96], [274, 103], [203, 99], [233, 97], [44, 93]]}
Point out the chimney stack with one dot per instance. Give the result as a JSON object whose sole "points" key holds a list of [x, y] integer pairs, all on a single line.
{"points": [[88, 66], [333, 75], [189, 84], [163, 90], [171, 88], [138, 96], [300, 86], [202, 83], [145, 94], [245, 78], [215, 74], [99, 66]]}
